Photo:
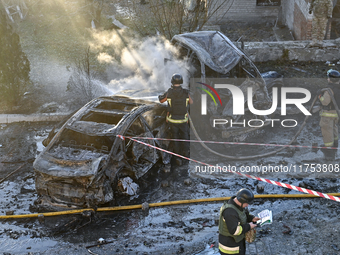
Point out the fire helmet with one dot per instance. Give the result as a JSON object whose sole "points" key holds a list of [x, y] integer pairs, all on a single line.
{"points": [[245, 196], [334, 75], [176, 79]]}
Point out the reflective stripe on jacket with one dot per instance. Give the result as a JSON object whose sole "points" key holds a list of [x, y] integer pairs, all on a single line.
{"points": [[223, 229], [169, 119], [228, 250], [330, 114], [178, 101]]}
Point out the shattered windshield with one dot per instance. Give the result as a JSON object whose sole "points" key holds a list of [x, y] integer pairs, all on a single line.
{"points": [[213, 49]]}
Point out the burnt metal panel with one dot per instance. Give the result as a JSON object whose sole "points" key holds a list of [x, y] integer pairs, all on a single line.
{"points": [[213, 49]]}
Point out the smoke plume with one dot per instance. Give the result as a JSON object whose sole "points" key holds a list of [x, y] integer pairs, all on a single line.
{"points": [[145, 64]]}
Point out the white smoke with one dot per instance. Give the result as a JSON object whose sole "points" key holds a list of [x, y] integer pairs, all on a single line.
{"points": [[138, 64]]}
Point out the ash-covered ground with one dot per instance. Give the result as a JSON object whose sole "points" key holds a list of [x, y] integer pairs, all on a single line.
{"points": [[300, 226]]}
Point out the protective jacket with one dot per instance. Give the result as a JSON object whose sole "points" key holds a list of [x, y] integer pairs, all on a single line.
{"points": [[178, 100], [328, 108], [232, 228], [329, 118], [322, 8]]}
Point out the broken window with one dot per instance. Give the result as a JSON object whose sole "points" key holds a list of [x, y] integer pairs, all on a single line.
{"points": [[79, 146], [102, 117], [268, 2], [110, 105]]}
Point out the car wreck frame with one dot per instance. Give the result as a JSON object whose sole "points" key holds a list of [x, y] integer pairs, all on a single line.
{"points": [[85, 164]]}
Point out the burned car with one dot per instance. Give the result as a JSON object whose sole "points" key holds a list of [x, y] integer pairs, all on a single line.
{"points": [[86, 164], [213, 55]]}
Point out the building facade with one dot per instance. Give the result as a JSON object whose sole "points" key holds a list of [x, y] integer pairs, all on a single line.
{"points": [[246, 10], [292, 13], [295, 14]]}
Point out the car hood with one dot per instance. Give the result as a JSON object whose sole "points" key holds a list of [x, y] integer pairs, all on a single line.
{"points": [[65, 168], [212, 48]]}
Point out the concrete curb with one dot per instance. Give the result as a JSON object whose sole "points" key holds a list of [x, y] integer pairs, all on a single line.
{"points": [[292, 50], [10, 118]]}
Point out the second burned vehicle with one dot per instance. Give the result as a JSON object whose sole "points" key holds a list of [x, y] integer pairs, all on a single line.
{"points": [[215, 58]]}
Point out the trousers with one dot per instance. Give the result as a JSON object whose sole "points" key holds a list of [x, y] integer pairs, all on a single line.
{"points": [[329, 130], [180, 131]]}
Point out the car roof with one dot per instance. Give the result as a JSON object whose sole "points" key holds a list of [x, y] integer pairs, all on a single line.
{"points": [[212, 48]]}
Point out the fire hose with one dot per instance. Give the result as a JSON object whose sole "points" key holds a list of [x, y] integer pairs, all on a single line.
{"points": [[131, 207], [168, 203]]}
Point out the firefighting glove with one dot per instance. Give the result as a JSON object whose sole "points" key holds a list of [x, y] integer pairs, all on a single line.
{"points": [[319, 93], [161, 97]]}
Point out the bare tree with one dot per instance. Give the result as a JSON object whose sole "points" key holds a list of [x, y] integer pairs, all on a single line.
{"points": [[83, 84], [170, 17], [95, 8], [14, 64]]}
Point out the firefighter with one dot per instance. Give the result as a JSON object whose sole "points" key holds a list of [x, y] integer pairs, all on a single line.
{"points": [[178, 100], [322, 11], [329, 117], [234, 222]]}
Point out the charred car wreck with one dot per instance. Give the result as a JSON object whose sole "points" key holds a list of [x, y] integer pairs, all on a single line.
{"points": [[86, 164], [212, 55]]}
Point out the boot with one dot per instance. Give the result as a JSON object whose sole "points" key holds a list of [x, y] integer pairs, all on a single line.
{"points": [[332, 154], [336, 145], [328, 153]]}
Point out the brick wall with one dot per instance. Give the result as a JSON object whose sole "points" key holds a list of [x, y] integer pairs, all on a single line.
{"points": [[295, 15]]}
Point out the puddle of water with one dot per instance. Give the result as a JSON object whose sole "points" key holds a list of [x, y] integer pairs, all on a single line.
{"points": [[107, 226], [25, 244], [11, 201], [209, 251]]}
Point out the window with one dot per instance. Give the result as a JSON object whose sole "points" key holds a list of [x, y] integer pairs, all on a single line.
{"points": [[268, 2]]}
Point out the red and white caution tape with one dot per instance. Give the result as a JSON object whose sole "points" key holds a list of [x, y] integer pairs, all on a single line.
{"points": [[281, 184], [233, 143]]}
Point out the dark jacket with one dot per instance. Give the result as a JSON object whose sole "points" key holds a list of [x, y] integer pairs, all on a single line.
{"points": [[178, 101], [232, 221]]}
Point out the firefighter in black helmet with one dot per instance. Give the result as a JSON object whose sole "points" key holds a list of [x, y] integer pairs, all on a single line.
{"points": [[329, 117], [178, 100], [234, 222]]}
